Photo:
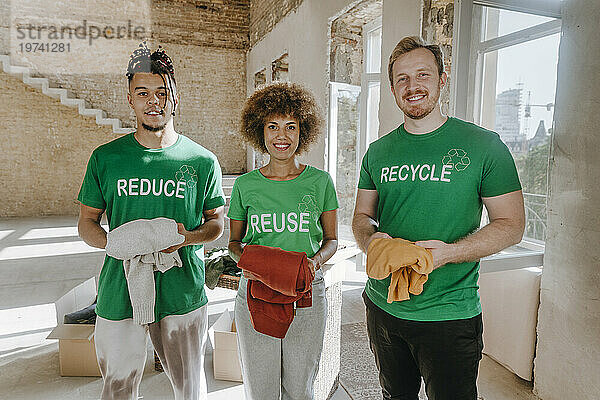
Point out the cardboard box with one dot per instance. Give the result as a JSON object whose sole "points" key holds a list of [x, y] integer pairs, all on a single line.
{"points": [[226, 360], [76, 349]]}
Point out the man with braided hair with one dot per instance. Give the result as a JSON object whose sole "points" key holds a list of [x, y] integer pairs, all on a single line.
{"points": [[150, 173], [427, 182]]}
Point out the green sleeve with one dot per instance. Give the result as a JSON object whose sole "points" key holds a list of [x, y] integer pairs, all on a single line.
{"points": [[90, 193], [365, 181], [499, 171], [331, 201], [213, 196], [236, 209]]}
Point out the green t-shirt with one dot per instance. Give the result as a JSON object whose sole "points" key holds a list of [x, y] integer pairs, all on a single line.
{"points": [[430, 187], [284, 214], [133, 182]]}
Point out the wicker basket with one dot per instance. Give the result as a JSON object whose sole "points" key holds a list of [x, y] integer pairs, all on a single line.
{"points": [[229, 282], [157, 365]]}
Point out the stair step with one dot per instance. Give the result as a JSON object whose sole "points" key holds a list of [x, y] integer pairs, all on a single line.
{"points": [[123, 131], [36, 82], [73, 102], [15, 69], [228, 180], [108, 121], [56, 92], [89, 111]]}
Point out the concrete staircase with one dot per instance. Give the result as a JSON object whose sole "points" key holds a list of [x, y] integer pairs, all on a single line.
{"points": [[43, 84]]}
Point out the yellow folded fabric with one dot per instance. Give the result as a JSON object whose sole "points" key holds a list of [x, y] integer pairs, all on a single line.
{"points": [[409, 264]]}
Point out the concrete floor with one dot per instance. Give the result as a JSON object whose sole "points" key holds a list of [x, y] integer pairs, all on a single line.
{"points": [[42, 258]]}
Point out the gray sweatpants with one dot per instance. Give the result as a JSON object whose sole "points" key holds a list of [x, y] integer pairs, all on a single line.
{"points": [[179, 341], [272, 367]]}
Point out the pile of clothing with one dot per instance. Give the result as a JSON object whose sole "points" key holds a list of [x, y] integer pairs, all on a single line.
{"points": [[218, 262]]}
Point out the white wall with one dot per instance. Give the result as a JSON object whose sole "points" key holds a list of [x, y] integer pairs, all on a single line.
{"points": [[567, 364], [400, 18]]}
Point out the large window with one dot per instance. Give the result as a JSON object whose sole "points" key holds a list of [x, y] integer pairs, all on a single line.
{"points": [[504, 79]]}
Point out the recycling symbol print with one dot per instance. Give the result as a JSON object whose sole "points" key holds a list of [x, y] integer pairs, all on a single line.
{"points": [[187, 174], [457, 158], [309, 205]]}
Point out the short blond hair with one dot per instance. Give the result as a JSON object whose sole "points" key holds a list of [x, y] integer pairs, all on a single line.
{"points": [[411, 43]]}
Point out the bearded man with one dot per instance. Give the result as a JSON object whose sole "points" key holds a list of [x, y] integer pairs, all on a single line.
{"points": [[427, 182]]}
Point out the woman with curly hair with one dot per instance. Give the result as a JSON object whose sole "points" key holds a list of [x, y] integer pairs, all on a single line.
{"points": [[293, 207]]}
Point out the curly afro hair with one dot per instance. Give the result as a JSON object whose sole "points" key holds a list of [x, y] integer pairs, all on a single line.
{"points": [[281, 99]]}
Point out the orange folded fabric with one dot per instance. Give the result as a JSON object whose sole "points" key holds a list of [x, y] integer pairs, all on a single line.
{"points": [[284, 279], [409, 264]]}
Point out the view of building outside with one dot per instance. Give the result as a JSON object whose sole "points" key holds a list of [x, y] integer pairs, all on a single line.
{"points": [[521, 107], [508, 120]]}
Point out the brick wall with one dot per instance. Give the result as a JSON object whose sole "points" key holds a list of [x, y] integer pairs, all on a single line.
{"points": [[212, 95], [214, 23], [346, 52], [265, 14], [347, 41], [207, 40], [438, 20], [45, 147]]}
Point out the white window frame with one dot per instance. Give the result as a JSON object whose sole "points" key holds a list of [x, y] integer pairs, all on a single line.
{"points": [[469, 49], [366, 79]]}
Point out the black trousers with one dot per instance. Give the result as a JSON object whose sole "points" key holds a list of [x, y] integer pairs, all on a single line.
{"points": [[445, 353]]}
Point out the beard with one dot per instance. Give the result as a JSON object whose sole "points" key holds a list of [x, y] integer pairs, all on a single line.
{"points": [[424, 109], [159, 126], [154, 128]]}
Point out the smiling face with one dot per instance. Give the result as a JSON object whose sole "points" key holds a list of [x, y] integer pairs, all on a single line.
{"points": [[282, 136], [417, 83], [150, 100]]}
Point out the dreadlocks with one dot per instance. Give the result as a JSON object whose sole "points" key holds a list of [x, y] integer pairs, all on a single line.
{"points": [[157, 62]]}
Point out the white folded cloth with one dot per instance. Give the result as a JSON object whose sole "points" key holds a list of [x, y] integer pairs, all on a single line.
{"points": [[138, 244]]}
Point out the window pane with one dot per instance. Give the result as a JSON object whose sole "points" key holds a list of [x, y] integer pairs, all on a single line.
{"points": [[374, 51], [502, 22], [519, 86]]}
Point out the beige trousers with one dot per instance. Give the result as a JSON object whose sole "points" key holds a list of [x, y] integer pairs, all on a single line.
{"points": [[179, 341]]}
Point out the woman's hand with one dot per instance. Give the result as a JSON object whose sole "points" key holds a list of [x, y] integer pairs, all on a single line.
{"points": [[237, 230], [313, 265], [329, 244]]}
